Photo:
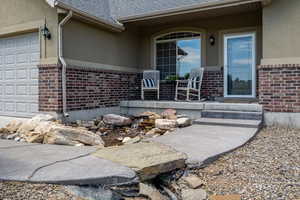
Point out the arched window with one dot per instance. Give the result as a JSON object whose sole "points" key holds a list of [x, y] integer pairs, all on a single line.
{"points": [[178, 53]]}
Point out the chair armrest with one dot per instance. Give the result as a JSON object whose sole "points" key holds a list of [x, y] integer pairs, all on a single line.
{"points": [[182, 81]]}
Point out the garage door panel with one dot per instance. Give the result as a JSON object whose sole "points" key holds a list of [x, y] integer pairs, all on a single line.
{"points": [[9, 74], [34, 74], [19, 75]]}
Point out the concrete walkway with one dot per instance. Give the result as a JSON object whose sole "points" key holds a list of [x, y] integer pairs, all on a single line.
{"points": [[58, 165], [85, 165], [202, 143]]}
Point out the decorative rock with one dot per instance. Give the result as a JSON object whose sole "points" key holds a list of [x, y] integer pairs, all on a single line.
{"points": [[116, 120], [193, 181], [190, 194], [128, 140], [43, 117], [35, 137], [184, 122], [151, 192], [86, 124], [165, 124], [12, 136], [150, 115], [13, 126], [71, 136], [148, 159], [31, 124], [155, 131], [44, 127], [226, 197], [169, 114], [93, 193]]}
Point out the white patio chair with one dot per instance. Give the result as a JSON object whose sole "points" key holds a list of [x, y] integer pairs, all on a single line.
{"points": [[150, 82], [190, 86]]}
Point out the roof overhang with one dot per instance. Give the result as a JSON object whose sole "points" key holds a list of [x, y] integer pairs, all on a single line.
{"points": [[191, 9], [116, 27]]}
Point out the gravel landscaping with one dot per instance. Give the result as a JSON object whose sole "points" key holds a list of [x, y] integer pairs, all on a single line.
{"points": [[24, 191], [268, 167]]}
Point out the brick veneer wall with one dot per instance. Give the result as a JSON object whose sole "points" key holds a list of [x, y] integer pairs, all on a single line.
{"points": [[90, 89], [213, 84], [279, 87], [86, 88], [50, 90]]}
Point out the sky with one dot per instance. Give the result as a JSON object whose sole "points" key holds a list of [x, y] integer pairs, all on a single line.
{"points": [[193, 59]]}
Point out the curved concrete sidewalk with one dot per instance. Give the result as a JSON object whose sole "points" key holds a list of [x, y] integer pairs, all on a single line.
{"points": [[59, 165], [203, 143], [85, 165]]}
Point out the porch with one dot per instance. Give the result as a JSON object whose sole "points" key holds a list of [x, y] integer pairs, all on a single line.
{"points": [[208, 113], [226, 42]]}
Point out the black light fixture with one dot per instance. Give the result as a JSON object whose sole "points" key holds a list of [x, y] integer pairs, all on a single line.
{"points": [[46, 33], [212, 40]]}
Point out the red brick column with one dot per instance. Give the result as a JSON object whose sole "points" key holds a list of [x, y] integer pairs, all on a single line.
{"points": [[279, 87], [50, 90], [213, 83]]}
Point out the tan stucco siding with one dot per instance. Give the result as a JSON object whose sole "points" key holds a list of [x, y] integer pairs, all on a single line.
{"points": [[21, 16], [281, 31], [103, 49], [213, 56]]}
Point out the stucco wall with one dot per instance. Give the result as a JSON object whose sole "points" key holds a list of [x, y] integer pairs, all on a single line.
{"points": [[21, 16], [281, 31], [85, 44], [213, 26]]}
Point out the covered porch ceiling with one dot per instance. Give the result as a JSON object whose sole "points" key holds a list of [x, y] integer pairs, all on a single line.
{"points": [[196, 15]]}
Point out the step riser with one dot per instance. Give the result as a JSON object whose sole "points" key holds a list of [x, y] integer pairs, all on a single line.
{"points": [[228, 124], [249, 116]]}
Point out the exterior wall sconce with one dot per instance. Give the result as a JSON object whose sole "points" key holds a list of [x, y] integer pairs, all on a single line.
{"points": [[45, 32], [212, 40]]}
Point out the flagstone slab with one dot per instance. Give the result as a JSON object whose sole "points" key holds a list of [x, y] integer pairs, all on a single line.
{"points": [[147, 159]]}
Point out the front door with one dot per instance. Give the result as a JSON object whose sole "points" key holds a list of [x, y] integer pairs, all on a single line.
{"points": [[239, 65]]}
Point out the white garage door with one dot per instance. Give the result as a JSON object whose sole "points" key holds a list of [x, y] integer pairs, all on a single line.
{"points": [[19, 57]]}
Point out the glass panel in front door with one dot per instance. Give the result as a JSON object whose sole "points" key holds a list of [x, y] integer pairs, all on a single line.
{"points": [[239, 66]]}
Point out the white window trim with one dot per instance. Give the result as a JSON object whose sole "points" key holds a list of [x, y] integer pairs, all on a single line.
{"points": [[238, 35], [202, 47]]}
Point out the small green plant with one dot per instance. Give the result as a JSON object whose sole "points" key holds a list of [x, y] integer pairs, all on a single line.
{"points": [[187, 76], [172, 78]]}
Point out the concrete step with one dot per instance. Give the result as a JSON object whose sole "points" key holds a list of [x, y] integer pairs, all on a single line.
{"points": [[229, 122], [232, 114]]}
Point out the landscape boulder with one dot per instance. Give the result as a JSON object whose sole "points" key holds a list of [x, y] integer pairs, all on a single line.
{"points": [[128, 140], [193, 181], [63, 135], [190, 194], [165, 124], [151, 192], [184, 122], [150, 115], [169, 114], [116, 120], [32, 123], [13, 126]]}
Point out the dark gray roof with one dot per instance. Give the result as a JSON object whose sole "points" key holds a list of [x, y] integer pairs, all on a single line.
{"points": [[113, 10], [126, 8]]}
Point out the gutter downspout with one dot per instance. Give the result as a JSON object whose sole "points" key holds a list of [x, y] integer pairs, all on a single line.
{"points": [[63, 62]]}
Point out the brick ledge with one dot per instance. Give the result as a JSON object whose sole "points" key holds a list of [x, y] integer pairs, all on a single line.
{"points": [[276, 66]]}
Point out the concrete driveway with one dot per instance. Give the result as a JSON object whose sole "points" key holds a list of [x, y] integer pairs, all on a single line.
{"points": [[5, 120]]}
